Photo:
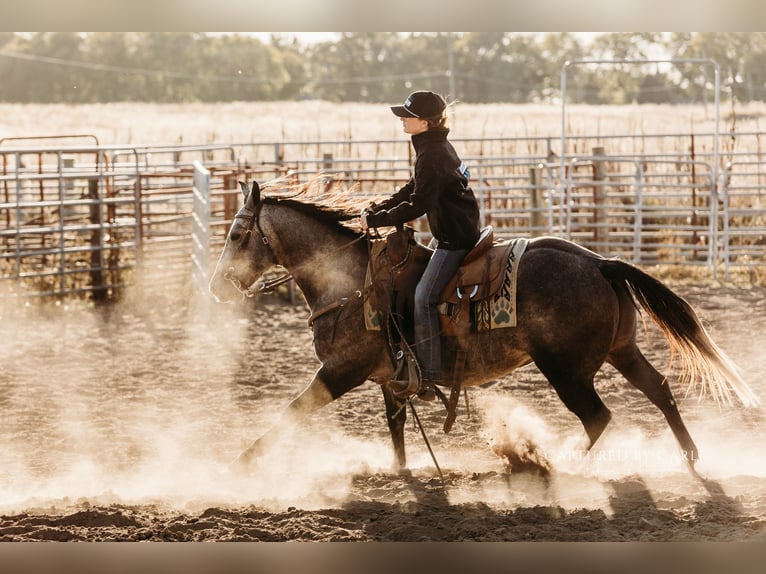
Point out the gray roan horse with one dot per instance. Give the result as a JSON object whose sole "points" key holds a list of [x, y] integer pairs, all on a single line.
{"points": [[576, 310]]}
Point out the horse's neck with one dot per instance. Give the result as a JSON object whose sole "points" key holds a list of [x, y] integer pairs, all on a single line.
{"points": [[318, 256]]}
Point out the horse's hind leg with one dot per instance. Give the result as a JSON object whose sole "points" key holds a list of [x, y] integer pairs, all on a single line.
{"points": [[641, 374], [578, 395]]}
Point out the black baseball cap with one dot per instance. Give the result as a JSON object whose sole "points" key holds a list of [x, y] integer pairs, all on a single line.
{"points": [[421, 104]]}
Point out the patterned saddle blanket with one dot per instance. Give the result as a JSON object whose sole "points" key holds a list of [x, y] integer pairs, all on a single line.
{"points": [[482, 295]]}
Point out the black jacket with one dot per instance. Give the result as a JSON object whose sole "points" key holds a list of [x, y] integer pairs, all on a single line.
{"points": [[437, 189]]}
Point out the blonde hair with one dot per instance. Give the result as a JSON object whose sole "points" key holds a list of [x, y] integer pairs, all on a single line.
{"points": [[440, 122]]}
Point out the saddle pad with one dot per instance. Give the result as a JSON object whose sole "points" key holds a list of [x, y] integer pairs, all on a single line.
{"points": [[499, 309]]}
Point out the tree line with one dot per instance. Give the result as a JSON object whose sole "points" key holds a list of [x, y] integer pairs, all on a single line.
{"points": [[475, 67]]}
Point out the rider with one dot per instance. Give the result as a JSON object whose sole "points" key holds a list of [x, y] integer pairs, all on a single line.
{"points": [[438, 189]]}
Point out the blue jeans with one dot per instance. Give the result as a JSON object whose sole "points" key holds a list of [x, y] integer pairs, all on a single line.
{"points": [[440, 269]]}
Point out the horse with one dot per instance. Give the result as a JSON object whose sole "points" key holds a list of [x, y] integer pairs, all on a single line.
{"points": [[576, 311]]}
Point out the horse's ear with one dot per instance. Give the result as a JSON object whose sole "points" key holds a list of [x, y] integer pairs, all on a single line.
{"points": [[245, 189], [256, 192]]}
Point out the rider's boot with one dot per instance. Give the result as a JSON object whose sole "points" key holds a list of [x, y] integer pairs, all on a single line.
{"points": [[427, 390]]}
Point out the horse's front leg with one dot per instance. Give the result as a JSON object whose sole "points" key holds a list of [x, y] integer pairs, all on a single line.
{"points": [[396, 416], [316, 395]]}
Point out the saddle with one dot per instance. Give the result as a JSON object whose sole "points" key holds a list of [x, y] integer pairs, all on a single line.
{"points": [[468, 303], [467, 299], [398, 262]]}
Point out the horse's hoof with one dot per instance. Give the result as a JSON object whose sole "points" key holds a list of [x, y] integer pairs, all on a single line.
{"points": [[404, 472]]}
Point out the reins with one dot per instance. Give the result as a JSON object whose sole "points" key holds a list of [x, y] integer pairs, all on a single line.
{"points": [[425, 439], [339, 304], [258, 287], [358, 295], [262, 287], [270, 285]]}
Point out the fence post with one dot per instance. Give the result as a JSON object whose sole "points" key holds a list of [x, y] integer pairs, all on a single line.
{"points": [[638, 213], [96, 218], [725, 200], [478, 189], [201, 228], [600, 229], [230, 198], [279, 154], [536, 201]]}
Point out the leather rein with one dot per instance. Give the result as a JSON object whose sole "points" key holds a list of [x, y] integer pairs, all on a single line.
{"points": [[267, 286]]}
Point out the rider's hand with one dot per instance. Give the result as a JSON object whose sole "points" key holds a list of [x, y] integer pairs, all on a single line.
{"points": [[363, 220]]}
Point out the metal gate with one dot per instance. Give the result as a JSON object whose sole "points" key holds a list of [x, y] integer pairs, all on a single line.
{"points": [[200, 235], [94, 220]]}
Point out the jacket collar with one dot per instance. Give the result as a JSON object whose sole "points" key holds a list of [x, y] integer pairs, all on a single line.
{"points": [[420, 139]]}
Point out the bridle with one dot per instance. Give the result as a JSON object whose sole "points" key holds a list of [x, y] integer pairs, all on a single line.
{"points": [[253, 222]]}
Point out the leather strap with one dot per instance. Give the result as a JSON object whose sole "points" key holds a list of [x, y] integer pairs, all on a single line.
{"points": [[331, 307], [454, 395]]}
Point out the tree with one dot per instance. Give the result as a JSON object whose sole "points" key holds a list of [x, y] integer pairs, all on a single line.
{"points": [[657, 88], [238, 68], [295, 66], [119, 51], [172, 64], [362, 67], [377, 67], [555, 50], [731, 50], [755, 77]]}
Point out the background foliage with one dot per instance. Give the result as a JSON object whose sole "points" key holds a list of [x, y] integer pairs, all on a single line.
{"points": [[475, 67]]}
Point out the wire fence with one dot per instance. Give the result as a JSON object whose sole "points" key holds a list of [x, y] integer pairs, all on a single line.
{"points": [[82, 219]]}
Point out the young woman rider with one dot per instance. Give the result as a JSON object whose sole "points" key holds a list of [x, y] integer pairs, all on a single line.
{"points": [[439, 190]]}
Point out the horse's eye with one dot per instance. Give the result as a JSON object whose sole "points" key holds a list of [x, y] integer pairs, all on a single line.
{"points": [[234, 236]]}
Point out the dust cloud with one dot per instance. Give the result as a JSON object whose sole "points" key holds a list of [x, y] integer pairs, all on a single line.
{"points": [[151, 403], [145, 404]]}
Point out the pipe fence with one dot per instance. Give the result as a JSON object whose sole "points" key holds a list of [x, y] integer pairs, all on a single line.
{"points": [[93, 220]]}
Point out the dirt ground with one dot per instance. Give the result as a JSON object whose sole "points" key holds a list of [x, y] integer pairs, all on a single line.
{"points": [[119, 424]]}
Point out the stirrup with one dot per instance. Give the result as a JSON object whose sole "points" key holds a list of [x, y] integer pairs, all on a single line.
{"points": [[427, 392], [405, 388]]}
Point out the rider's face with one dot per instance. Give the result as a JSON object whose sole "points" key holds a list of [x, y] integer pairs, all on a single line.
{"points": [[414, 126]]}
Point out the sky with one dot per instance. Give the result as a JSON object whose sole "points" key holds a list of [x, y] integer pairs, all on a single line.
{"points": [[303, 37], [312, 37], [351, 15]]}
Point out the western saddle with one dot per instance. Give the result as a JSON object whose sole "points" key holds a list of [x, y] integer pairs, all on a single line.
{"points": [[397, 262]]}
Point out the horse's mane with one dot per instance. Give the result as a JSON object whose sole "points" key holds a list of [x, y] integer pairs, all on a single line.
{"points": [[322, 198]]}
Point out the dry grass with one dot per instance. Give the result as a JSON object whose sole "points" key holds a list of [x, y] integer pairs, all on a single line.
{"points": [[239, 122], [678, 275]]}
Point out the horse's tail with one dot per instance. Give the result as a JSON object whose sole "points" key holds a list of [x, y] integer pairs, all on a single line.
{"points": [[704, 366]]}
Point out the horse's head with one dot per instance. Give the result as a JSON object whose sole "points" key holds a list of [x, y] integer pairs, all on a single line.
{"points": [[246, 253]]}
